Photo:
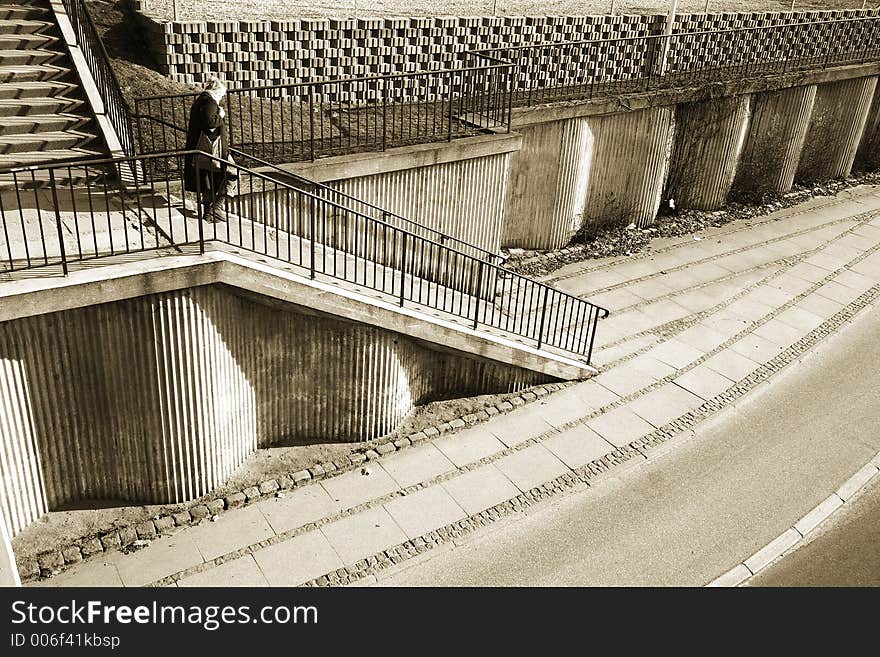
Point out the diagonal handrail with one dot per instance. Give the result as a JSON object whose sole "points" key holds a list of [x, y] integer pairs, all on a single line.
{"points": [[292, 225]]}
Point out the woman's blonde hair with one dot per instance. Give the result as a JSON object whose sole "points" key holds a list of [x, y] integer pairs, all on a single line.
{"points": [[215, 87]]}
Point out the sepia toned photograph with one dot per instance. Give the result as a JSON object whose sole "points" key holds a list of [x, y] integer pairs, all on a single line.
{"points": [[459, 294]]}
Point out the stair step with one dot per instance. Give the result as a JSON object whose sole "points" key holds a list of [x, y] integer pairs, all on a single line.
{"points": [[35, 89], [23, 11], [48, 157], [34, 106], [32, 73], [45, 141], [24, 26], [41, 123], [27, 41], [19, 57]]}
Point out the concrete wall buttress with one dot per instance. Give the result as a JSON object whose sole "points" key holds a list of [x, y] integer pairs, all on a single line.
{"points": [[836, 127], [709, 138], [868, 155], [630, 160], [547, 188], [774, 140], [158, 399]]}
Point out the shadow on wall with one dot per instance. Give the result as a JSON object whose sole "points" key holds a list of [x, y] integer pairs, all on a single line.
{"points": [[158, 399]]}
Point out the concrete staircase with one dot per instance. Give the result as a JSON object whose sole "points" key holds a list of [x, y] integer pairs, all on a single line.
{"points": [[44, 116]]}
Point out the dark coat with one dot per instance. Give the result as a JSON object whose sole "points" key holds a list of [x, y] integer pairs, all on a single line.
{"points": [[204, 116]]}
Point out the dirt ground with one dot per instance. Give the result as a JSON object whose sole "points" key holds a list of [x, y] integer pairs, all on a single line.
{"points": [[293, 9]]}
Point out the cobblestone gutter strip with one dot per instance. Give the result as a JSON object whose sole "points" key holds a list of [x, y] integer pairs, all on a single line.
{"points": [[649, 446], [796, 535], [49, 563]]}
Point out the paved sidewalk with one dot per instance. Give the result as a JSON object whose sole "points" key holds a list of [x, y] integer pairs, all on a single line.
{"points": [[696, 325]]}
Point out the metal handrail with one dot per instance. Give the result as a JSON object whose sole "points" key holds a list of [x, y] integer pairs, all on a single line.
{"points": [[101, 68], [424, 273]]}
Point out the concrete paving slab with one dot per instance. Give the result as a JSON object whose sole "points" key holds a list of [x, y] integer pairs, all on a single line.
{"points": [[480, 489], [518, 426], [826, 261], [771, 296], [469, 446], [780, 334], [704, 382], [298, 507], [625, 379], [749, 308], [413, 466], [620, 426], [819, 305], [93, 572], [801, 319], [837, 292], [163, 557], [869, 267], [353, 488], [650, 365], [297, 560], [233, 530], [531, 467], [578, 446], [665, 310], [698, 300], [854, 281], [726, 324], [558, 409], [424, 511], [363, 534], [700, 336], [588, 281], [675, 353], [651, 288], [808, 272], [594, 395], [625, 324], [790, 285], [615, 300], [243, 571], [603, 357], [731, 364], [666, 403], [755, 347]]}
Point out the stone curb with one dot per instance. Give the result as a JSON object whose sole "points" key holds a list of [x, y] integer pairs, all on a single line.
{"points": [[49, 563], [795, 535]]}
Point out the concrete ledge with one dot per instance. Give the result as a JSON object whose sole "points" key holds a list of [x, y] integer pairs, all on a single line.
{"points": [[855, 483], [818, 515], [115, 282], [733, 577], [632, 102], [405, 157]]}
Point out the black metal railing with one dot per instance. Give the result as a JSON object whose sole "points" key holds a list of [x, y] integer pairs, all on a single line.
{"points": [[115, 106], [591, 69], [297, 122], [57, 215]]}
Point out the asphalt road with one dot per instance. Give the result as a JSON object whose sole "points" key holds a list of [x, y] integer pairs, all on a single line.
{"points": [[845, 552], [688, 516]]}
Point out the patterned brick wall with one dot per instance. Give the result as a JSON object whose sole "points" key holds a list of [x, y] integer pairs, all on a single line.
{"points": [[288, 52]]}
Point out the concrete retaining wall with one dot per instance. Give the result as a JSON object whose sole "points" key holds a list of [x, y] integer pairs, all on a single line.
{"points": [[868, 155], [836, 127], [158, 399]]}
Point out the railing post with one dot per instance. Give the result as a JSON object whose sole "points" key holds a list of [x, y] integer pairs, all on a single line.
{"points": [[479, 285], [384, 112], [312, 123], [449, 118], [312, 233], [543, 316], [199, 209], [402, 269], [58, 222]]}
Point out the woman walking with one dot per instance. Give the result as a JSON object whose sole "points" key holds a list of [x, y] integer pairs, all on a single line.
{"points": [[209, 175]]}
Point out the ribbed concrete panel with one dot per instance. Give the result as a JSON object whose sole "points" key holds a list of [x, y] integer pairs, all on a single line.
{"points": [[709, 138], [836, 128], [464, 199], [774, 140], [630, 159], [548, 182], [158, 399], [868, 155]]}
